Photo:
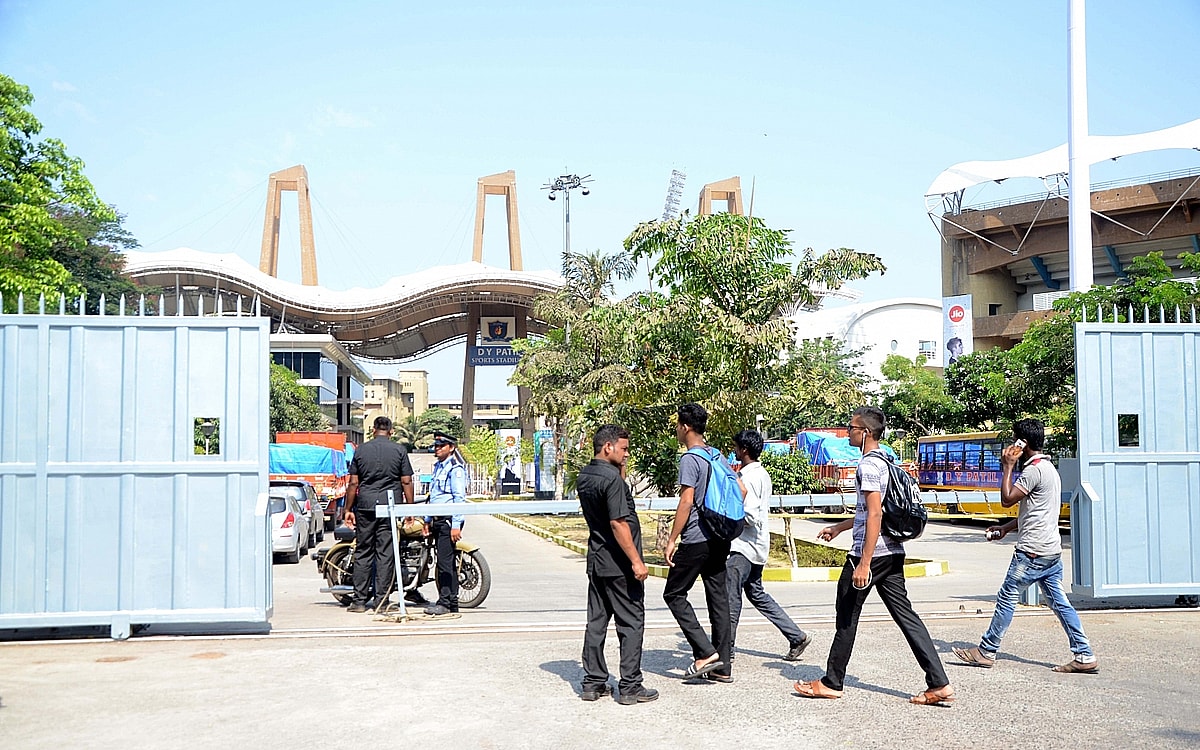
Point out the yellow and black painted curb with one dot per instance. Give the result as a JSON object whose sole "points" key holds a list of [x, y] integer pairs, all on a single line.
{"points": [[914, 569]]}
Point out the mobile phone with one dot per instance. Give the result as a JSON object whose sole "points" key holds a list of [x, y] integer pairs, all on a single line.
{"points": [[1019, 443]]}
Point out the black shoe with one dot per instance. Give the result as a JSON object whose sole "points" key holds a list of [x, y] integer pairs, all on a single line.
{"points": [[641, 695], [724, 678], [357, 607], [439, 609], [596, 693], [415, 597], [795, 652]]}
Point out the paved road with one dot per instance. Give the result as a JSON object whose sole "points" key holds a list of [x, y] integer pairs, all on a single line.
{"points": [[506, 675]]}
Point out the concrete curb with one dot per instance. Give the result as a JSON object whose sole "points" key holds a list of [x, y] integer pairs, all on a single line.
{"points": [[916, 569]]}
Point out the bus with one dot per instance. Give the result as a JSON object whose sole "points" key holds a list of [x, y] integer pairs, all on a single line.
{"points": [[967, 462]]}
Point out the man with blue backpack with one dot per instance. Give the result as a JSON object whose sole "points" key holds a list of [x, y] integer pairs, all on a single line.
{"points": [[709, 516]]}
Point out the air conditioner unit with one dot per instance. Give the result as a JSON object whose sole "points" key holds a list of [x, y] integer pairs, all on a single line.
{"points": [[1045, 300]]}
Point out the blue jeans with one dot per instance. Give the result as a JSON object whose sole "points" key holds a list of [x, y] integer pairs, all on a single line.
{"points": [[1047, 572]]}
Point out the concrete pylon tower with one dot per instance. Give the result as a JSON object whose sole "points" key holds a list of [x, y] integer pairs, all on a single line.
{"points": [[504, 183], [293, 178], [729, 190]]}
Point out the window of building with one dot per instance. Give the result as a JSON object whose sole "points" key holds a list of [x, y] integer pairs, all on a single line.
{"points": [[928, 348]]}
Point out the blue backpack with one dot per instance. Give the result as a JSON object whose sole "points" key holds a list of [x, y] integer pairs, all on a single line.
{"points": [[722, 510]]}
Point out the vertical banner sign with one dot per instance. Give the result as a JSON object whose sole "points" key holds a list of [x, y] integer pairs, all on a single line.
{"points": [[545, 459], [509, 459], [495, 342], [958, 328]]}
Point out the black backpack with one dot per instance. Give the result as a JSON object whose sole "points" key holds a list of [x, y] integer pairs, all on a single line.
{"points": [[904, 517]]}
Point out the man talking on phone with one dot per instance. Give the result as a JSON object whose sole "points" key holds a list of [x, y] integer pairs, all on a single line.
{"points": [[1038, 556]]}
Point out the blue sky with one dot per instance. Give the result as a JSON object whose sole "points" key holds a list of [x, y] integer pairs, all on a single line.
{"points": [[839, 114]]}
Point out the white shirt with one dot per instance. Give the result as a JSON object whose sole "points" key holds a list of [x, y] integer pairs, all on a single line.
{"points": [[755, 540]]}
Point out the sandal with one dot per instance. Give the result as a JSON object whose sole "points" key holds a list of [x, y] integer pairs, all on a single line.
{"points": [[696, 669], [933, 698], [973, 657], [815, 689], [1077, 667]]}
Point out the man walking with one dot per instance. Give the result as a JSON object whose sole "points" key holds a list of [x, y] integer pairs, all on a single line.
{"points": [[698, 555], [1038, 555], [449, 485], [874, 560], [379, 466], [615, 570], [748, 553]]}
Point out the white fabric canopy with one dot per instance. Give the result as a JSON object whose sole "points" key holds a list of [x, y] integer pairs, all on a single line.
{"points": [[1055, 161]]}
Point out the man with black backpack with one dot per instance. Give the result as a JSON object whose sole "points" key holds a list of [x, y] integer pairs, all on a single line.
{"points": [[701, 552], [875, 559]]}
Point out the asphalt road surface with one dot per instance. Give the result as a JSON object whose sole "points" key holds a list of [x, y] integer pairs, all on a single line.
{"points": [[507, 675]]}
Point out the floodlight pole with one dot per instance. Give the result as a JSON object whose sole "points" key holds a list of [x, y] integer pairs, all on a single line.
{"points": [[565, 184], [1079, 210]]}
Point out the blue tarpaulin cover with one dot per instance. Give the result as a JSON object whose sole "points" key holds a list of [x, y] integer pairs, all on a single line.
{"points": [[296, 458], [826, 448]]}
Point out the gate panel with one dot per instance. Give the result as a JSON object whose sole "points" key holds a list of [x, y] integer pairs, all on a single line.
{"points": [[108, 516], [1136, 514]]}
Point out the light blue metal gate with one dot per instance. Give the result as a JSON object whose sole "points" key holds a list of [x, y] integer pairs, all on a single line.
{"points": [[1135, 517], [133, 470]]}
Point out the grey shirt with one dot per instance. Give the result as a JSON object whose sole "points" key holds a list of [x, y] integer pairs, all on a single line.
{"points": [[693, 472], [1037, 513], [871, 476]]}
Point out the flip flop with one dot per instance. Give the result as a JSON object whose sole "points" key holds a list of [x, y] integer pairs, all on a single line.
{"points": [[694, 670], [931, 698], [815, 689]]}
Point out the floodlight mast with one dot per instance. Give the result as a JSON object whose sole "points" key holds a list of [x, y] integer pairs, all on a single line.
{"points": [[565, 184], [674, 191]]}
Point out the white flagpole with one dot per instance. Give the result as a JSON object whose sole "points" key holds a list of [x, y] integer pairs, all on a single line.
{"points": [[1079, 175]]}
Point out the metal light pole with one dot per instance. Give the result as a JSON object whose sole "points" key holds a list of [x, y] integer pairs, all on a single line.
{"points": [[207, 428], [565, 184]]}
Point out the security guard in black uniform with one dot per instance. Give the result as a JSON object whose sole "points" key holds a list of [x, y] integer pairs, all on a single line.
{"points": [[379, 465]]}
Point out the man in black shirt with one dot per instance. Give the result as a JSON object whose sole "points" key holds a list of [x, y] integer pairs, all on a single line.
{"points": [[379, 465], [615, 570]]}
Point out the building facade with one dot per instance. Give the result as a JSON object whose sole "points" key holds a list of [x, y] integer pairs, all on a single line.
{"points": [[908, 326], [397, 397], [323, 364]]}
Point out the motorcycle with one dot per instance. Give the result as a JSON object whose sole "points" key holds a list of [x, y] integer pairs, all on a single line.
{"points": [[418, 562]]}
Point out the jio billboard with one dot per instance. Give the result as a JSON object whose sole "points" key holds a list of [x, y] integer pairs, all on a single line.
{"points": [[958, 328]]}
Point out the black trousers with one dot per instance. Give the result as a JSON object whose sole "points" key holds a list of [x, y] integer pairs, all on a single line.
{"points": [[447, 573], [622, 598], [705, 560], [372, 552], [887, 577]]}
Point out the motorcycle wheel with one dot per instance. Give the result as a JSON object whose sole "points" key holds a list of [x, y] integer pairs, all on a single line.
{"points": [[338, 571], [474, 578]]}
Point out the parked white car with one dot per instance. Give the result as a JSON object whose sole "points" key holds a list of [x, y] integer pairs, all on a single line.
{"points": [[289, 528], [306, 497]]}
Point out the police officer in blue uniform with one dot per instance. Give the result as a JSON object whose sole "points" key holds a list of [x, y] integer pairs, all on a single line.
{"points": [[449, 485]]}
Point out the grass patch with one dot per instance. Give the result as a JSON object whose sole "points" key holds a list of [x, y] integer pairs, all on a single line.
{"points": [[572, 526]]}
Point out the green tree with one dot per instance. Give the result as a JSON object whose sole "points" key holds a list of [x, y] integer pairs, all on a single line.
{"points": [[482, 452], [98, 264], [39, 183], [791, 474], [915, 398], [437, 420], [717, 335], [294, 407], [1037, 376], [822, 383]]}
